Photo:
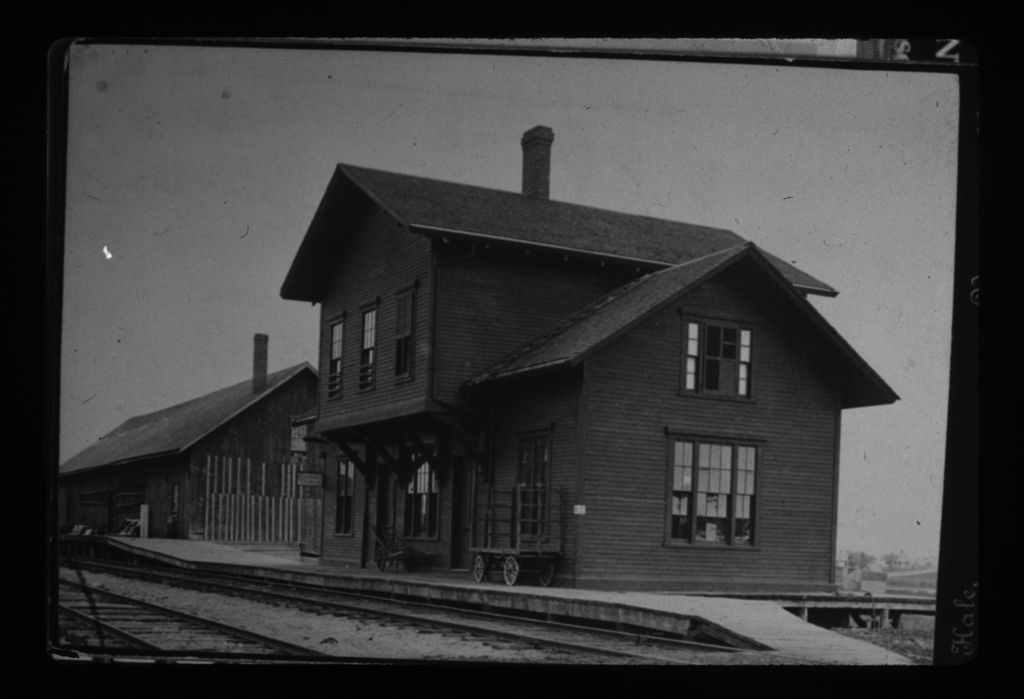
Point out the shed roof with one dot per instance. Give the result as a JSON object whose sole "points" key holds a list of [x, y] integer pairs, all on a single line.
{"points": [[597, 324], [435, 207], [174, 429]]}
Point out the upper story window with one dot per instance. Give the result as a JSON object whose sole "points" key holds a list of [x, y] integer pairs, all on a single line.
{"points": [[334, 363], [404, 320], [368, 349], [716, 359], [299, 433], [712, 492]]}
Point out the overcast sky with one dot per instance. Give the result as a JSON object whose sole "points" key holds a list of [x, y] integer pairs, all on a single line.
{"points": [[193, 173]]}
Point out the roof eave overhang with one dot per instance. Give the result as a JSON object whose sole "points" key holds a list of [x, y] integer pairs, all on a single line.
{"points": [[876, 391], [313, 263], [121, 462], [444, 232], [523, 372]]}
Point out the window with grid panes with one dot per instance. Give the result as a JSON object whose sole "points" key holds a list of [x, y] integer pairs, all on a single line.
{"points": [[716, 359], [712, 492]]}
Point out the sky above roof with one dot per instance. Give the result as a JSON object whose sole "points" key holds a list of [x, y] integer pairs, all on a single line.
{"points": [[194, 172]]}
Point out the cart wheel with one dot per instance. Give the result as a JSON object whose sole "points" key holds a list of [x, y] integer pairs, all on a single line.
{"points": [[511, 570], [546, 572], [479, 567]]}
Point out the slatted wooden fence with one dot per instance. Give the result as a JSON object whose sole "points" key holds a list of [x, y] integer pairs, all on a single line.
{"points": [[242, 505]]}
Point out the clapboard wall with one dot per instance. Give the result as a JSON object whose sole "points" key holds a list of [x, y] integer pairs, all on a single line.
{"points": [[380, 260], [633, 409], [489, 305]]}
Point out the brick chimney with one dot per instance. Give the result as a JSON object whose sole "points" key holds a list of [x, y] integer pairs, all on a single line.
{"points": [[537, 161], [259, 362]]}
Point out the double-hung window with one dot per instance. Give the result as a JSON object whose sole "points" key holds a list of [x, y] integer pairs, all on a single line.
{"points": [[716, 359], [404, 316], [712, 492], [368, 349], [334, 362], [345, 498], [422, 503]]}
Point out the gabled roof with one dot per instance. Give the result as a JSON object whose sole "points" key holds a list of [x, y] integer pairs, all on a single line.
{"points": [[601, 322], [174, 429], [435, 207]]}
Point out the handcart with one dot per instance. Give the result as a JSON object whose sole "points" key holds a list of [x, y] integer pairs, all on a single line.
{"points": [[390, 550], [518, 534]]}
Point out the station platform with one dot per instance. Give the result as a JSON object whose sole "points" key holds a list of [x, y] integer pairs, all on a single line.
{"points": [[754, 625]]}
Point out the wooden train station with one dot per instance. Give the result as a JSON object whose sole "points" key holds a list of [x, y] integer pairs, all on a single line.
{"points": [[592, 399]]}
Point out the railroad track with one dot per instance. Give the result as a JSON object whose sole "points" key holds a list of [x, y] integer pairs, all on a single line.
{"points": [[632, 646], [94, 620]]}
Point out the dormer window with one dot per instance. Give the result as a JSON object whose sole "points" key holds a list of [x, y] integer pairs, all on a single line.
{"points": [[716, 359]]}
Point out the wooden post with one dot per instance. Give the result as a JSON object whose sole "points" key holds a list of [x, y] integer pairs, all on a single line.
{"points": [[206, 503]]}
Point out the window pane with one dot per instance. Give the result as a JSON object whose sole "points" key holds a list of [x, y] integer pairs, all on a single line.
{"points": [[702, 480], [714, 341], [711, 375], [677, 478], [687, 454], [716, 456], [729, 335], [705, 451], [744, 354]]}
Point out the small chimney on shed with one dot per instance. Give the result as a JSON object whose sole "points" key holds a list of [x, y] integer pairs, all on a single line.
{"points": [[259, 362], [537, 161]]}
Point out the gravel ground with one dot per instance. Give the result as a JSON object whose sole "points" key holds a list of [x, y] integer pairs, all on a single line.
{"points": [[336, 636]]}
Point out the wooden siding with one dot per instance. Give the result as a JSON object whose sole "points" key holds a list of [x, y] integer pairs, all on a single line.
{"points": [[539, 405], [491, 305], [633, 398], [343, 549], [381, 259], [261, 434], [155, 477]]}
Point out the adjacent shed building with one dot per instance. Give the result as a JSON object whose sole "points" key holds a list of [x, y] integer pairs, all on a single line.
{"points": [[617, 400], [219, 467]]}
